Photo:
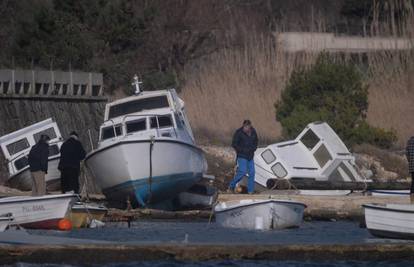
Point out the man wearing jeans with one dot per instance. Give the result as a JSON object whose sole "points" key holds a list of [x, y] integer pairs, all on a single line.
{"points": [[245, 143]]}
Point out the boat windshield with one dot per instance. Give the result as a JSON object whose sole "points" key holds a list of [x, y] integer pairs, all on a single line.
{"points": [[138, 105]]}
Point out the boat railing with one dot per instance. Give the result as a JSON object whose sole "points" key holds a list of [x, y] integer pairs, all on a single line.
{"points": [[139, 116]]}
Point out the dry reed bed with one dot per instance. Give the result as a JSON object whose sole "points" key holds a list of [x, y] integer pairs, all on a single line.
{"points": [[232, 85]]}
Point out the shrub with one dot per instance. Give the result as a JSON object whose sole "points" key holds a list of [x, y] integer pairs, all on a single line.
{"points": [[331, 92]]}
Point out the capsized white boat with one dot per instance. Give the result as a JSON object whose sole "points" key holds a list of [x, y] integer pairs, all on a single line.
{"points": [[390, 220], [259, 214], [5, 220], [16, 147], [146, 151], [317, 153], [40, 212]]}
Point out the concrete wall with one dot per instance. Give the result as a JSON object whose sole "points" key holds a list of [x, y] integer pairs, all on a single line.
{"points": [[50, 83], [317, 42]]}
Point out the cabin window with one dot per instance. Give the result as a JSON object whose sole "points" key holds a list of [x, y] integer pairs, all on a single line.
{"points": [[138, 105], [279, 170], [21, 163], [109, 132], [310, 139], [322, 155], [53, 150], [136, 126], [49, 132], [164, 121], [268, 156], [18, 146]]}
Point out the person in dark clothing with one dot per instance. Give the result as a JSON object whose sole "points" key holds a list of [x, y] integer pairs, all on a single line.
{"points": [[38, 164], [71, 154], [245, 143], [409, 151]]}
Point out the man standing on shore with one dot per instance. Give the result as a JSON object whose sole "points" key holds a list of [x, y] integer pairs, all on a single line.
{"points": [[38, 163], [409, 151], [71, 154], [245, 143]]}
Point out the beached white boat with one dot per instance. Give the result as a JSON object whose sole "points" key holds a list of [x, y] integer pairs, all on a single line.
{"points": [[390, 220], [317, 153], [390, 193], [43, 212], [5, 220], [259, 214], [146, 151], [16, 147]]}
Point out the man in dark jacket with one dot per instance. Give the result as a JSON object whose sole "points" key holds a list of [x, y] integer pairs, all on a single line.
{"points": [[409, 151], [245, 143], [71, 154], [38, 163]]}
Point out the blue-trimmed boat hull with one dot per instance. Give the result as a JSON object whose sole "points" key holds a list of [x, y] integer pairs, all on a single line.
{"points": [[142, 192]]}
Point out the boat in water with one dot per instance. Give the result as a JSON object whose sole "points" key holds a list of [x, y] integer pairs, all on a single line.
{"points": [[146, 151], [390, 193], [83, 214], [16, 147], [40, 212], [259, 214], [316, 154], [390, 220]]}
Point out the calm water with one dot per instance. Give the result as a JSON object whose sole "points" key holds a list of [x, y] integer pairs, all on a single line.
{"points": [[144, 232], [154, 232]]}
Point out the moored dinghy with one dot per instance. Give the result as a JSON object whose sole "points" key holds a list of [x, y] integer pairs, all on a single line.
{"points": [[146, 151], [259, 214], [390, 220], [83, 214], [41, 212]]}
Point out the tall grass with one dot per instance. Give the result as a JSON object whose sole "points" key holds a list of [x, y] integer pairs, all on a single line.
{"points": [[237, 84], [244, 82]]}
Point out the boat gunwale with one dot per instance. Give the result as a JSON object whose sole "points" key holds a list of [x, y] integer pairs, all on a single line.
{"points": [[254, 203], [122, 142], [376, 206], [17, 199]]}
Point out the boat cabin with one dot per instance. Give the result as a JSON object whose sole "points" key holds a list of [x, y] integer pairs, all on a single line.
{"points": [[154, 113], [16, 145], [317, 153]]}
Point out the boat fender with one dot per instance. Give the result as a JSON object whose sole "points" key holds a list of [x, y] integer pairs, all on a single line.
{"points": [[64, 225]]}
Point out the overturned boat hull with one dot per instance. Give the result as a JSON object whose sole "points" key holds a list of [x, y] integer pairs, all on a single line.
{"points": [[390, 220], [259, 214], [23, 179], [127, 171], [43, 212]]}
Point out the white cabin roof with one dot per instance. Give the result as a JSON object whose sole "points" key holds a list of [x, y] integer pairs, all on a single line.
{"points": [[328, 136], [24, 131], [22, 140], [174, 103]]}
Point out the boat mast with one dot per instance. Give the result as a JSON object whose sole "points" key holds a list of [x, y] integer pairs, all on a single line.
{"points": [[136, 83]]}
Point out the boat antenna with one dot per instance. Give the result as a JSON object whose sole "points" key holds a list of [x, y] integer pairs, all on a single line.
{"points": [[136, 83]]}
